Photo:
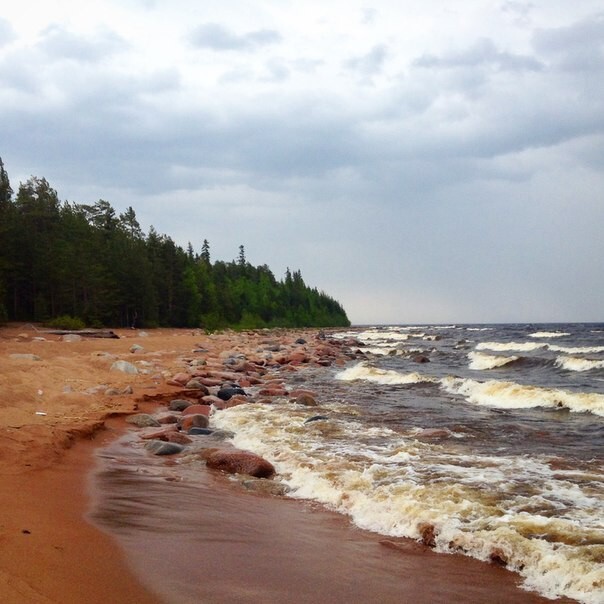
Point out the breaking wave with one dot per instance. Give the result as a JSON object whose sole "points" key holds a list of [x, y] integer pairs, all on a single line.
{"points": [[480, 361], [578, 364]]}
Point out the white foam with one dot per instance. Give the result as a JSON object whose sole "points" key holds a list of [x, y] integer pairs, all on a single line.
{"points": [[578, 364], [577, 349], [480, 361], [509, 395], [549, 334], [510, 346], [362, 371], [476, 503]]}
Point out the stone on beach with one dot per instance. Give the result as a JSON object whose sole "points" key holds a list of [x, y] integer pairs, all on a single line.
{"points": [[143, 420], [124, 367], [197, 410], [160, 447], [179, 404], [227, 392], [193, 421], [238, 462]]}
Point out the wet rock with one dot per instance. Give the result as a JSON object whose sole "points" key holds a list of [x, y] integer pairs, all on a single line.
{"points": [[143, 420], [498, 556], [193, 421], [159, 434], [179, 404], [238, 462], [428, 534], [264, 486], [180, 378], [167, 418], [226, 392], [210, 399], [197, 431], [136, 348], [300, 341], [434, 433], [306, 399], [197, 409], [124, 367], [316, 418], [420, 358], [160, 447], [177, 437]]}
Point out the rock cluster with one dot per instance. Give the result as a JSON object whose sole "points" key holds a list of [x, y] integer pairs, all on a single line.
{"points": [[210, 381]]}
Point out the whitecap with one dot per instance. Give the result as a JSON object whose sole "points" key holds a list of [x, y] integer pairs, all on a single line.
{"points": [[480, 361], [578, 364], [510, 346], [362, 371], [510, 395], [548, 334]]}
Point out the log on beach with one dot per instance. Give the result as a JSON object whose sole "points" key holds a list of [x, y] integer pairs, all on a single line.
{"points": [[85, 333]]}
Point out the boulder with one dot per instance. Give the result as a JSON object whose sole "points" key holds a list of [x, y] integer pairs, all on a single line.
{"points": [[197, 410], [195, 384], [124, 367], [238, 462], [160, 447], [179, 404], [226, 392], [197, 431], [193, 421], [180, 378], [177, 437], [136, 348], [306, 399], [143, 420]]}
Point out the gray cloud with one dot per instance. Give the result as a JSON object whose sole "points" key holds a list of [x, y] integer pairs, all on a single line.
{"points": [[217, 37], [370, 63], [59, 43], [483, 53], [575, 47]]}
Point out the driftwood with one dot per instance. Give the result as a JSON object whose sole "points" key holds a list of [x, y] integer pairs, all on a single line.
{"points": [[85, 333]]}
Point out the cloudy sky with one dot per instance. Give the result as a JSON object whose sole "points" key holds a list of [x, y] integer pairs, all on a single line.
{"points": [[421, 161]]}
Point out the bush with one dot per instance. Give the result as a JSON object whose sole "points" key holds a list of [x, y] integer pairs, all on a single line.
{"points": [[66, 322]]}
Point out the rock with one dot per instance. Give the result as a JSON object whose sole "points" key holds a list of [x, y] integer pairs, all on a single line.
{"points": [[315, 418], [197, 409], [25, 357], [167, 418], [124, 367], [307, 400], [434, 433], [161, 434], [196, 431], [193, 421], [428, 534], [300, 341], [181, 378], [143, 420], [264, 487], [195, 384], [420, 358], [136, 348], [178, 437], [226, 392], [160, 447], [179, 404], [238, 462], [71, 337], [498, 556]]}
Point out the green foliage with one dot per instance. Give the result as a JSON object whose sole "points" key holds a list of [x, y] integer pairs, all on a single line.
{"points": [[66, 322], [65, 260]]}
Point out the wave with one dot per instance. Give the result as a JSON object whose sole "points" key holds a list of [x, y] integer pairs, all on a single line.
{"points": [[531, 346], [397, 486], [362, 371], [578, 364], [481, 361], [510, 346], [548, 334], [509, 395]]}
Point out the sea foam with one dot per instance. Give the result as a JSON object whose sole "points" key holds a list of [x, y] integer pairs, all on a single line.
{"points": [[480, 361]]}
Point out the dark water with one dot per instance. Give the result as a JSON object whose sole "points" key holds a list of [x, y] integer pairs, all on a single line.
{"points": [[491, 435]]}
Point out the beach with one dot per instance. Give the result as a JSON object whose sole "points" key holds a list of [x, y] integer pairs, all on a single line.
{"points": [[64, 404]]}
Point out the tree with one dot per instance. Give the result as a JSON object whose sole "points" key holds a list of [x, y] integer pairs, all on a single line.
{"points": [[205, 252]]}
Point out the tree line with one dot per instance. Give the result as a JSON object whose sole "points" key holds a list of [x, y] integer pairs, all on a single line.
{"points": [[62, 259]]}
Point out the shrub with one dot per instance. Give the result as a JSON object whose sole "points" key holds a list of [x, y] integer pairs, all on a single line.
{"points": [[66, 322]]}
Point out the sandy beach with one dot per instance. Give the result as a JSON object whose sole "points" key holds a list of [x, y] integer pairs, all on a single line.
{"points": [[61, 404]]}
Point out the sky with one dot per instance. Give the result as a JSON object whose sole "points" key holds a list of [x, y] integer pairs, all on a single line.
{"points": [[425, 161]]}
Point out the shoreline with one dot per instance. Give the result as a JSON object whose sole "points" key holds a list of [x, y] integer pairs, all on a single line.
{"points": [[50, 551]]}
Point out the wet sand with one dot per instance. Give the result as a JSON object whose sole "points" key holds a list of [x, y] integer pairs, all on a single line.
{"points": [[55, 412]]}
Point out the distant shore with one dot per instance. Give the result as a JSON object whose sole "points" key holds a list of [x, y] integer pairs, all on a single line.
{"points": [[61, 401]]}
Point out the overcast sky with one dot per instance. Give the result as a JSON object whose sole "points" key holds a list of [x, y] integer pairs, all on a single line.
{"points": [[419, 160]]}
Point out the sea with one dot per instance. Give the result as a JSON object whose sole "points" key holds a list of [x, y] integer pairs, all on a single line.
{"points": [[485, 441]]}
